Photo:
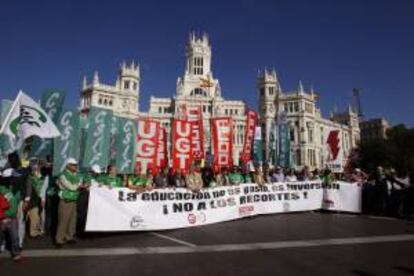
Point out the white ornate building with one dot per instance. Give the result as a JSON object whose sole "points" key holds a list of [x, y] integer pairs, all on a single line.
{"points": [[198, 88], [308, 130], [122, 98]]}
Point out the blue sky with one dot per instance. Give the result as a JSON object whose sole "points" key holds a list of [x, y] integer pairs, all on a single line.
{"points": [[332, 45]]}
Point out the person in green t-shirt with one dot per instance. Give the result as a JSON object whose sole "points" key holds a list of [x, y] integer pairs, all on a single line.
{"points": [[138, 182], [111, 179], [235, 177]]}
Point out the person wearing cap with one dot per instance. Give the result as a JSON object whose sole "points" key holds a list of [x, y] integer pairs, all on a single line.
{"points": [[93, 176], [23, 190], [137, 181], [9, 230], [69, 183], [111, 179], [193, 180]]}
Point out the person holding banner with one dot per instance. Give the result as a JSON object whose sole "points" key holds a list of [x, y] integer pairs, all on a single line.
{"points": [[258, 177], [235, 176], [69, 183], [111, 179], [138, 182], [193, 180], [179, 179]]}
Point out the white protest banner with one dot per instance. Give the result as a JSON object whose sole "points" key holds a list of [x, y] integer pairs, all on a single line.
{"points": [[162, 209]]}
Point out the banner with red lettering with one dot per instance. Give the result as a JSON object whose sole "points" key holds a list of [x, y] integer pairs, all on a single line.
{"points": [[181, 145], [162, 159], [251, 121], [222, 135], [147, 144], [197, 132]]}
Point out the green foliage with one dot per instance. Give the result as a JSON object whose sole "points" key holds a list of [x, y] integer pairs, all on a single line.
{"points": [[397, 151]]}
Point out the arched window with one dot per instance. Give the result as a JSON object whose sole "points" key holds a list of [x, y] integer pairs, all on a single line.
{"points": [[100, 101], [198, 92]]}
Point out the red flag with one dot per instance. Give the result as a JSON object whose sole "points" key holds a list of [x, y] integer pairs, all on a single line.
{"points": [[181, 145], [222, 132], [197, 132], [251, 121], [147, 144], [162, 159]]}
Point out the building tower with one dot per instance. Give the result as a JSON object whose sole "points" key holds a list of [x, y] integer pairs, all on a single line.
{"points": [[122, 98], [128, 83], [198, 77], [269, 91]]}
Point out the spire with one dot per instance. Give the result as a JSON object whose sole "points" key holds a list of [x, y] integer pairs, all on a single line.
{"points": [[300, 88], [84, 82], [96, 78]]}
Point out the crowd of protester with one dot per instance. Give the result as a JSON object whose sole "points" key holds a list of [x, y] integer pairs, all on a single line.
{"points": [[32, 198]]}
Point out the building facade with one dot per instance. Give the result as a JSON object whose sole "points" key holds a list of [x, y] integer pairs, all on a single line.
{"points": [[308, 130], [198, 88], [122, 98]]}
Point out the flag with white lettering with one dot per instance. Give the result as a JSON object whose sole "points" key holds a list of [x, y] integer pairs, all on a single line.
{"points": [[162, 154], [67, 145], [125, 145], [52, 102], [251, 121], [197, 132], [258, 146], [6, 144], [147, 144], [181, 145], [98, 138], [283, 139], [222, 135]]}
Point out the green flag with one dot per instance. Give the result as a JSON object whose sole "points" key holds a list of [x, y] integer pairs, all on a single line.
{"points": [[6, 145], [51, 102], [67, 145], [114, 139], [125, 146], [98, 138], [258, 147]]}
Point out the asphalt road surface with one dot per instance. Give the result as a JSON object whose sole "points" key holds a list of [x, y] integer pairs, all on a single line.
{"points": [[282, 244]]}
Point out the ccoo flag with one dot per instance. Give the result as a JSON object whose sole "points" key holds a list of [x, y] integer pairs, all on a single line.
{"points": [[26, 118]]}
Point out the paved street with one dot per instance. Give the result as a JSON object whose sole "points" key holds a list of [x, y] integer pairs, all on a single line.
{"points": [[288, 244]]}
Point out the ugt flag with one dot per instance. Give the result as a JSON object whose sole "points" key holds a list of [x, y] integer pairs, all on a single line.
{"points": [[26, 118]]}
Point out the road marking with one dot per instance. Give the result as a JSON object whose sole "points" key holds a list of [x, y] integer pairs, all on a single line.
{"points": [[173, 239], [210, 248], [382, 218]]}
